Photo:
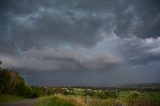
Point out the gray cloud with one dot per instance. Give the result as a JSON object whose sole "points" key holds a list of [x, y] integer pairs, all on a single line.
{"points": [[68, 56], [76, 21], [86, 58], [82, 36], [140, 51]]}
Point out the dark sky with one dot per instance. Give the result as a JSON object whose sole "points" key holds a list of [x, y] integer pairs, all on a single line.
{"points": [[81, 42]]}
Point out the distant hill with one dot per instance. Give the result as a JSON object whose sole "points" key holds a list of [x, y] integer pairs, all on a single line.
{"points": [[141, 85]]}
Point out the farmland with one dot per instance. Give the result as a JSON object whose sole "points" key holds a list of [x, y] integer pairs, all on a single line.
{"points": [[100, 97], [14, 88]]}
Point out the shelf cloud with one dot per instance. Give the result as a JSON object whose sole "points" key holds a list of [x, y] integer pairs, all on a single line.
{"points": [[105, 39]]}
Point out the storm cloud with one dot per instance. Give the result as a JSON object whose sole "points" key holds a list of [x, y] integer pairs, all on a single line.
{"points": [[105, 39]]}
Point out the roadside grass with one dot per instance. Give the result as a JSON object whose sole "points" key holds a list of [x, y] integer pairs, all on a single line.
{"points": [[61, 100], [76, 100], [9, 98], [52, 101]]}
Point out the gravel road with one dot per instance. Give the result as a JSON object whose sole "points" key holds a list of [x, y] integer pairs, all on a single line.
{"points": [[28, 102]]}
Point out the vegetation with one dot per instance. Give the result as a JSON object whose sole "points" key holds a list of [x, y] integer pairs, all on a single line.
{"points": [[9, 98], [141, 99], [52, 101], [14, 88], [11, 83], [132, 98]]}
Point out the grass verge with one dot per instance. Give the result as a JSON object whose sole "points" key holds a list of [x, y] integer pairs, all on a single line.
{"points": [[9, 98], [52, 101], [61, 100]]}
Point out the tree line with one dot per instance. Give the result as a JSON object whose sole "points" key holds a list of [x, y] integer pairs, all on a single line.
{"points": [[12, 83]]}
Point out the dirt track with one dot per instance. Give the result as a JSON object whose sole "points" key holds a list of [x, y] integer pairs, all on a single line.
{"points": [[28, 102]]}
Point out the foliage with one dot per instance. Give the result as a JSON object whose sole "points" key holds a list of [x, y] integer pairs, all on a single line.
{"points": [[143, 99], [24, 90], [104, 94], [12, 83]]}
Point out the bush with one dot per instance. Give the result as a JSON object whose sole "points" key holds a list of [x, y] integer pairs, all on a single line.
{"points": [[24, 90]]}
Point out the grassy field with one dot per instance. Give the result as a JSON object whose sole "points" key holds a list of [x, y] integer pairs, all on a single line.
{"points": [[9, 98], [92, 97], [124, 98], [61, 100]]}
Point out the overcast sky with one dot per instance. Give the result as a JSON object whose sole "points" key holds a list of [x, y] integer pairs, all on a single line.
{"points": [[81, 42]]}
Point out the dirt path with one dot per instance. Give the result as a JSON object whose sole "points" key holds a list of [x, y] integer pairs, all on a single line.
{"points": [[28, 102]]}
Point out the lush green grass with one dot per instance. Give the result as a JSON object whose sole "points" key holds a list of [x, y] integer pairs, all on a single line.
{"points": [[9, 98], [126, 94], [156, 95], [78, 91], [52, 101]]}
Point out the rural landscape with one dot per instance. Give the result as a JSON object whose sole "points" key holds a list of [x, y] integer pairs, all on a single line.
{"points": [[79, 52], [14, 88]]}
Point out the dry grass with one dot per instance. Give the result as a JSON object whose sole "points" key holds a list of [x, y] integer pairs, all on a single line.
{"points": [[81, 101], [76, 100]]}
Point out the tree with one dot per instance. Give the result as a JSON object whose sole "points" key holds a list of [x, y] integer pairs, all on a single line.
{"points": [[24, 90], [0, 64], [132, 99], [12, 83], [15, 80], [9, 80], [4, 81]]}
